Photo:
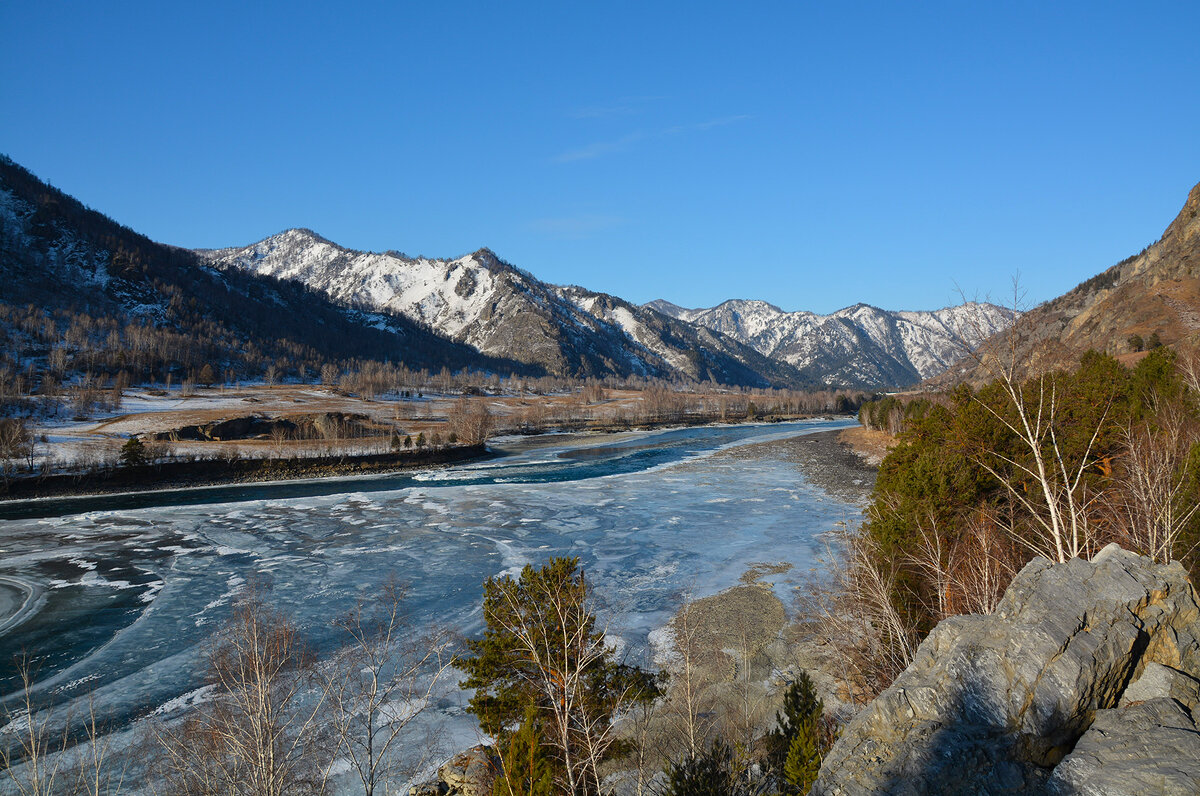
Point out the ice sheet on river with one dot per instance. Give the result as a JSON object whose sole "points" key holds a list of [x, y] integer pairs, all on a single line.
{"points": [[131, 595]]}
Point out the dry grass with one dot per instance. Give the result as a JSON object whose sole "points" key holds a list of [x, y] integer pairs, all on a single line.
{"points": [[871, 445]]}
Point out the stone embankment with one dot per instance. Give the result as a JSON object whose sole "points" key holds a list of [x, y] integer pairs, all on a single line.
{"points": [[1086, 680]]}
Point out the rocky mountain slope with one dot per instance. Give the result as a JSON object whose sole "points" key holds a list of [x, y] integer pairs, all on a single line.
{"points": [[102, 293], [861, 345], [1155, 292], [482, 301], [1086, 679]]}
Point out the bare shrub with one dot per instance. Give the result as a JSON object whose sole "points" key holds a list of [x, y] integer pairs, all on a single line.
{"points": [[1153, 503], [875, 640], [470, 421]]}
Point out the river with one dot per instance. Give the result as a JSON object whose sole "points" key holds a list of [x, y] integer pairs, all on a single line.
{"points": [[120, 593]]}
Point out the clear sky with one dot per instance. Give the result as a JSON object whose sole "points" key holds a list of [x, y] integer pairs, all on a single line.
{"points": [[810, 154]]}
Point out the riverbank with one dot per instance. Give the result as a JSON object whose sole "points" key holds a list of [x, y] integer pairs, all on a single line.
{"points": [[224, 472], [234, 470], [869, 445]]}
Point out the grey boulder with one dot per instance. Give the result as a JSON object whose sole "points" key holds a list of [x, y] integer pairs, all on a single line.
{"points": [[1083, 681]]}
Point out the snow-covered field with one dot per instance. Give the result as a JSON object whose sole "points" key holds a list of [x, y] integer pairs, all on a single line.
{"points": [[98, 438]]}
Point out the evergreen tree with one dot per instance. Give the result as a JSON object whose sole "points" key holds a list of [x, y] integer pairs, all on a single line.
{"points": [[133, 452], [541, 651], [525, 767], [795, 741], [408, 441], [710, 773], [803, 758]]}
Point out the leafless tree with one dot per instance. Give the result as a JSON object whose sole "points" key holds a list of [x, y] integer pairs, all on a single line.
{"points": [[470, 421], [554, 633], [379, 685], [279, 439], [32, 759], [1059, 507], [686, 709], [255, 736], [969, 573], [1152, 502], [875, 640], [96, 771], [40, 755]]}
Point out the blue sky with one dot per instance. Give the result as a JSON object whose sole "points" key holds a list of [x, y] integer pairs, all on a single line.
{"points": [[810, 154]]}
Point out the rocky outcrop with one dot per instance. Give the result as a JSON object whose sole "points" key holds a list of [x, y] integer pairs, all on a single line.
{"points": [[323, 425], [468, 773], [1086, 680]]}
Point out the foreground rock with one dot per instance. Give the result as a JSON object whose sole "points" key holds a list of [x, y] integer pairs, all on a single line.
{"points": [[1086, 680], [468, 773]]}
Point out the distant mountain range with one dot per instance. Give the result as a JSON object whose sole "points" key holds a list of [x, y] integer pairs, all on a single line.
{"points": [[296, 299], [481, 301], [861, 345], [505, 312]]}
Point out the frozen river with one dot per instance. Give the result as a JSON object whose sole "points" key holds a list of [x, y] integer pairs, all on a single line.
{"points": [[120, 593]]}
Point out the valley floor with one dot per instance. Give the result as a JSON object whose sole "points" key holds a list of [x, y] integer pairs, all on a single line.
{"points": [[82, 455]]}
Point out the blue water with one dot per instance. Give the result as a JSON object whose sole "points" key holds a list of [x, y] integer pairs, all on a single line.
{"points": [[135, 585]]}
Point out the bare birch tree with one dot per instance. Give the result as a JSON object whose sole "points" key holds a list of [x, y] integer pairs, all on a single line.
{"points": [[379, 685], [1153, 503], [1059, 505], [255, 736], [542, 649]]}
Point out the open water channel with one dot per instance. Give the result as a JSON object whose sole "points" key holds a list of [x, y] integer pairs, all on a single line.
{"points": [[114, 597]]}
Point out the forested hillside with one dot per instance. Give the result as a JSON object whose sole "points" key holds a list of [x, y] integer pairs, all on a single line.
{"points": [[1147, 299], [85, 297]]}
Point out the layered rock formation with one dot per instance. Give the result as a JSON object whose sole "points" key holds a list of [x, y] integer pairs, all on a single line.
{"points": [[1086, 680]]}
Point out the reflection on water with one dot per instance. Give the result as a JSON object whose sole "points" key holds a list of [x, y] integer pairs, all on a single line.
{"points": [[134, 585]]}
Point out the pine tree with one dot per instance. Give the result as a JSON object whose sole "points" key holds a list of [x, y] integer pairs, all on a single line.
{"points": [[799, 720], [710, 773], [803, 758], [133, 452], [541, 650], [525, 767]]}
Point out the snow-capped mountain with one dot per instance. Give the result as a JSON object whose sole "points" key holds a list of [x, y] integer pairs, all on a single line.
{"points": [[111, 300], [502, 311], [859, 345]]}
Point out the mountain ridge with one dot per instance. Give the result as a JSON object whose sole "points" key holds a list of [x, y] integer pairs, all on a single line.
{"points": [[483, 301], [859, 341], [1152, 295]]}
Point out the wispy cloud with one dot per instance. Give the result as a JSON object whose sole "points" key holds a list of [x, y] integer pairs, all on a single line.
{"points": [[710, 124], [597, 149], [600, 148], [575, 227]]}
